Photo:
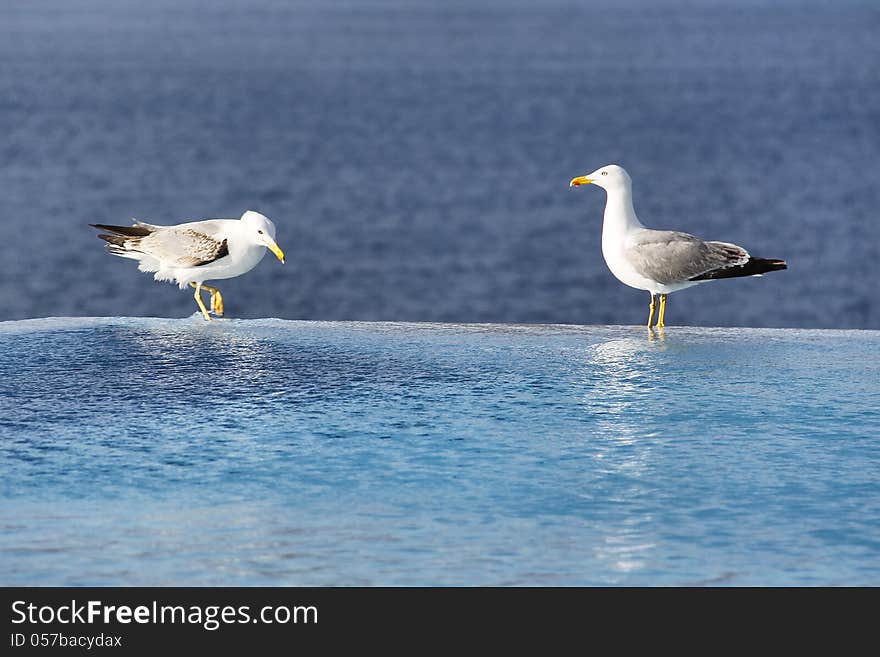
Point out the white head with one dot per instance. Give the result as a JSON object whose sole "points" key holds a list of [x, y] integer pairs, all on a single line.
{"points": [[611, 177], [262, 231]]}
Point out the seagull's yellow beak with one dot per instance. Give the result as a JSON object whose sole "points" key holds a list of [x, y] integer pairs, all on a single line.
{"points": [[580, 180], [274, 248]]}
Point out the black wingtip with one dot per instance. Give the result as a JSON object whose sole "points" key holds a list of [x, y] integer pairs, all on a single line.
{"points": [[754, 267], [127, 231]]}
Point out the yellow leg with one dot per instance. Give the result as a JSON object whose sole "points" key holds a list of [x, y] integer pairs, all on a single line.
{"points": [[217, 303], [660, 322], [216, 299], [198, 297], [651, 314]]}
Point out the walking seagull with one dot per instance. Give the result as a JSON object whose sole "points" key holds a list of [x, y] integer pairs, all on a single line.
{"points": [[195, 252], [661, 261]]}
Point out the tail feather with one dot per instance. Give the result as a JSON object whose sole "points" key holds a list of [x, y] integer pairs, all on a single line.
{"points": [[113, 240], [122, 246], [123, 240], [754, 267]]}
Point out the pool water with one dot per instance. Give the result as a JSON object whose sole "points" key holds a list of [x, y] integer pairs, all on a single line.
{"points": [[139, 451]]}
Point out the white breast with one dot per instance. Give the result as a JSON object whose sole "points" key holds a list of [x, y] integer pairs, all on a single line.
{"points": [[613, 246], [619, 225]]}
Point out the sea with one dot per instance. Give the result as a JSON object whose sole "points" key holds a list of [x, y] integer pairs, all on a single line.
{"points": [[415, 155]]}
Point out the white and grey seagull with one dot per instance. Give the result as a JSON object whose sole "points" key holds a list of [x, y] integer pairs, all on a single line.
{"points": [[197, 251], [661, 261]]}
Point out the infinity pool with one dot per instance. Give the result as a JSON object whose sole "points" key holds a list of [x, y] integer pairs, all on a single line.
{"points": [[270, 452]]}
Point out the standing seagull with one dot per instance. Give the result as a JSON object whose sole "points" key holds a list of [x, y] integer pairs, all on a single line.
{"points": [[195, 252], [661, 261]]}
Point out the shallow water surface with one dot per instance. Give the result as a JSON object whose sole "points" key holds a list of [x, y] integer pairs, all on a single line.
{"points": [[264, 452]]}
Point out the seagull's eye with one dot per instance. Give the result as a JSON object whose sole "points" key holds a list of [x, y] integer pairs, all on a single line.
{"points": [[604, 173], [260, 232]]}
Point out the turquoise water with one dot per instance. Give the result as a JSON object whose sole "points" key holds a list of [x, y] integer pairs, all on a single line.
{"points": [[270, 452]]}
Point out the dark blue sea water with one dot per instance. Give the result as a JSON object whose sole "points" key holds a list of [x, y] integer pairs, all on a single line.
{"points": [[415, 155], [268, 452]]}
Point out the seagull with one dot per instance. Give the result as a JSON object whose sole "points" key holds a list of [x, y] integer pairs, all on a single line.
{"points": [[661, 261], [194, 252]]}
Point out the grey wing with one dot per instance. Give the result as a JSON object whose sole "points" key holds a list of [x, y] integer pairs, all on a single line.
{"points": [[183, 247], [670, 257]]}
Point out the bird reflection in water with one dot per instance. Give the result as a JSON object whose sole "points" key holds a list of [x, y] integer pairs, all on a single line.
{"points": [[623, 378]]}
